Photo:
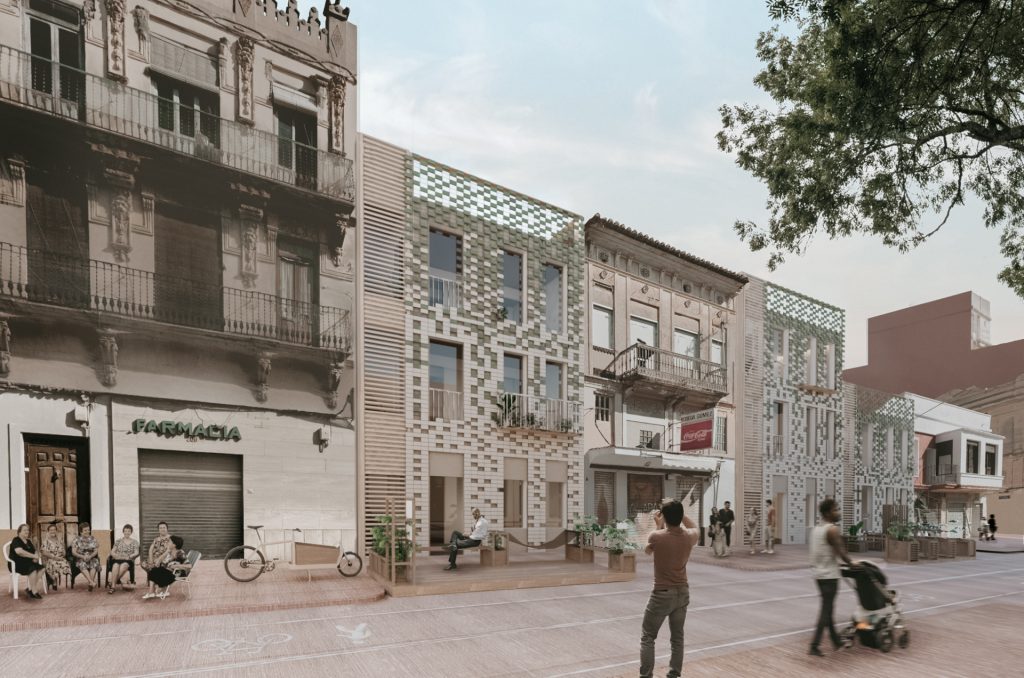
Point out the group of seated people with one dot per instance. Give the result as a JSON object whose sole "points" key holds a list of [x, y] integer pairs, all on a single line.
{"points": [[50, 560]]}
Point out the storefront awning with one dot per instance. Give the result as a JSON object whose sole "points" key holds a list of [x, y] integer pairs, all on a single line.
{"points": [[640, 457]]}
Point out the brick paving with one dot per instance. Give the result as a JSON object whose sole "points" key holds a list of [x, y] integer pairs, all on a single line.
{"points": [[213, 593]]}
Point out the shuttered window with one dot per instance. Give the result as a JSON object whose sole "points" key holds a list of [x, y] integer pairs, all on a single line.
{"points": [[604, 496], [183, 63]]}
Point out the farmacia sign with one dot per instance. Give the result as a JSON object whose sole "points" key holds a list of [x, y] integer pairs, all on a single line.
{"points": [[177, 428]]}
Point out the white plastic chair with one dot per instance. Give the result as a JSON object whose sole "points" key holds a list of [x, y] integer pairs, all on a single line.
{"points": [[13, 585]]}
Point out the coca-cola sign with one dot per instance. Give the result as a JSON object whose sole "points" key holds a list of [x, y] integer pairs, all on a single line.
{"points": [[696, 435]]}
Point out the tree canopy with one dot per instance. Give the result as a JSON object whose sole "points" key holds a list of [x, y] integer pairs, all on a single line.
{"points": [[889, 114]]}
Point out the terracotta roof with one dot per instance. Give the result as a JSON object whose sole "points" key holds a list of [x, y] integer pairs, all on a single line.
{"points": [[598, 220]]}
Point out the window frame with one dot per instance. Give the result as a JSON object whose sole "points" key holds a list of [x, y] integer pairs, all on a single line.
{"points": [[603, 406], [549, 265], [522, 285], [522, 372], [594, 308], [975, 468]]}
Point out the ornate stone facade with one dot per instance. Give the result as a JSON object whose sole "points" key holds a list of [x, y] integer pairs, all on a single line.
{"points": [[244, 55], [115, 39]]}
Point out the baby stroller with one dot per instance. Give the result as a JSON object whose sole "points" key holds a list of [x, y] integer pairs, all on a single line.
{"points": [[878, 621]]}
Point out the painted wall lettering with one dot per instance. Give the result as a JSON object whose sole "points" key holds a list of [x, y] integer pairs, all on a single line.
{"points": [[172, 429]]}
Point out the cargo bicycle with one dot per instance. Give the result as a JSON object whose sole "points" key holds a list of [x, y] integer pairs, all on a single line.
{"points": [[245, 563]]}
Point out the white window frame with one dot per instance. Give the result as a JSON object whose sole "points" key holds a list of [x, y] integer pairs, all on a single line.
{"points": [[811, 362], [563, 291], [611, 326], [522, 282]]}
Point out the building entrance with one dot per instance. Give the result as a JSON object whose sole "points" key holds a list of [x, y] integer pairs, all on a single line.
{"points": [[57, 485]]}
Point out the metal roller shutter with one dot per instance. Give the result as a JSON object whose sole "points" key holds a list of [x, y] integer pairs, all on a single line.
{"points": [[199, 496]]}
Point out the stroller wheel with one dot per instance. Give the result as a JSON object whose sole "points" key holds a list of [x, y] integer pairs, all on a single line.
{"points": [[904, 639], [885, 640]]}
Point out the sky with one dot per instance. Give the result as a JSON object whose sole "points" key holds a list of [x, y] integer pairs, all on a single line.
{"points": [[612, 108]]}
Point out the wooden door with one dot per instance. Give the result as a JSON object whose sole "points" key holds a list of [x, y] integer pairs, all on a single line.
{"points": [[52, 486]]}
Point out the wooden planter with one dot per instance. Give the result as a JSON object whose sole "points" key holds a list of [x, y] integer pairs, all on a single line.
{"points": [[622, 562], [853, 544], [579, 554], [947, 547], [901, 551], [965, 548], [380, 567], [493, 558], [929, 547]]}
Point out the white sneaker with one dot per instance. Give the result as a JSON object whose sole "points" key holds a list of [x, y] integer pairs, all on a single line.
{"points": [[161, 596], [147, 596]]}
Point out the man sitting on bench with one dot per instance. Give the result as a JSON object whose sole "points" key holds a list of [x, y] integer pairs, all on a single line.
{"points": [[461, 541]]}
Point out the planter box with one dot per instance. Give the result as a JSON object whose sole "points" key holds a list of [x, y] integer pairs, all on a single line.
{"points": [[965, 548], [853, 544], [579, 554], [622, 562], [901, 551], [947, 547], [380, 567], [929, 547], [493, 558]]}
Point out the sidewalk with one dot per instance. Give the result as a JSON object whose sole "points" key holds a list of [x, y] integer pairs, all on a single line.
{"points": [[213, 593], [786, 557], [1004, 543]]}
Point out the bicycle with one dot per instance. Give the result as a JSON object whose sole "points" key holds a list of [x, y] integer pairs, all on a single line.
{"points": [[245, 563]]}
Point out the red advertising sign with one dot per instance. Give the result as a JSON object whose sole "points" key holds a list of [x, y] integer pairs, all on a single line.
{"points": [[696, 435]]}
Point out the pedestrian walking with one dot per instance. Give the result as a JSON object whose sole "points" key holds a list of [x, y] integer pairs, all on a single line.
{"points": [[671, 544], [769, 529], [726, 518], [750, 529], [826, 551], [992, 527]]}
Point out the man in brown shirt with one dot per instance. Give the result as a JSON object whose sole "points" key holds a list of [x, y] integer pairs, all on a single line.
{"points": [[671, 546]]}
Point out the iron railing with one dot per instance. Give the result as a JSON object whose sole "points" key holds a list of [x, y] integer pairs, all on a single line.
{"points": [[945, 474], [58, 279], [643, 362], [516, 410], [446, 292], [445, 404], [106, 104], [776, 446]]}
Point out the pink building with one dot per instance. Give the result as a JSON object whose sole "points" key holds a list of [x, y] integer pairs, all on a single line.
{"points": [[941, 349]]}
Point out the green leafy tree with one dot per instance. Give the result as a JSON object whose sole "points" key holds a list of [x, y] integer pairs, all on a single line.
{"points": [[890, 113]]}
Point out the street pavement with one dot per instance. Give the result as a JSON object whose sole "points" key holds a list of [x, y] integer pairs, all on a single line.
{"points": [[964, 617]]}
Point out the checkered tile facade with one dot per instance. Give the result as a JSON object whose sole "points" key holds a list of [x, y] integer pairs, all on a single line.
{"points": [[883, 412], [489, 219]]}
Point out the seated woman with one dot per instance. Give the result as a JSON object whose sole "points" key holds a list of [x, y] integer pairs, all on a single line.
{"points": [[85, 549], [161, 576], [123, 555], [27, 561], [52, 550], [159, 547]]}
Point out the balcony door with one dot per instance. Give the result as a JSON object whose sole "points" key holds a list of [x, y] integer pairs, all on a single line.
{"points": [[57, 57], [296, 145], [188, 281], [295, 277], [58, 244]]}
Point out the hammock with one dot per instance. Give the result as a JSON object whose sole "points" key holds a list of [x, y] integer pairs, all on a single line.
{"points": [[560, 540]]}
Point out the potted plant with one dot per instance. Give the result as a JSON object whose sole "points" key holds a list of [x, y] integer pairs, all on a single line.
{"points": [[582, 551], [380, 555], [621, 551], [900, 545], [853, 539], [501, 313]]}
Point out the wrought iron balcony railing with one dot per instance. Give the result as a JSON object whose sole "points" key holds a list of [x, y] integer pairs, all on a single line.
{"points": [[445, 404], [446, 292], [945, 474], [58, 279], [516, 410], [641, 362], [106, 104]]}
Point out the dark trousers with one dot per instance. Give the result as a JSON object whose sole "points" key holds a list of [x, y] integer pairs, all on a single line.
{"points": [[728, 535], [459, 541], [670, 602], [828, 589]]}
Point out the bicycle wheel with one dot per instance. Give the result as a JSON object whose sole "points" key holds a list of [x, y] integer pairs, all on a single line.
{"points": [[350, 564], [244, 563]]}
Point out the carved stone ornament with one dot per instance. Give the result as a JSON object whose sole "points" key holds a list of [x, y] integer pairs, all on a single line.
{"points": [[341, 226], [245, 6], [250, 218], [336, 103], [244, 54], [263, 367], [88, 11], [5, 348], [115, 39], [120, 220], [141, 15], [334, 377], [108, 355], [12, 182]]}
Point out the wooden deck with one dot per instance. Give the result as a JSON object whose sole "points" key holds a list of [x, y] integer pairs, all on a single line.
{"points": [[536, 569]]}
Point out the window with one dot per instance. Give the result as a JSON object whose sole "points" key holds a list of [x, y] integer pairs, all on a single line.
{"points": [[890, 436], [973, 454], [512, 381], [779, 350], [686, 343], [643, 331], [445, 269], [555, 504], [811, 361], [295, 284], [720, 441], [602, 327], [990, 459], [830, 366], [514, 503], [553, 381], [647, 438], [445, 381], [56, 46], [512, 285], [183, 109], [944, 458], [717, 352], [778, 428], [867, 444], [830, 434], [602, 407], [552, 298], [296, 145], [812, 433]]}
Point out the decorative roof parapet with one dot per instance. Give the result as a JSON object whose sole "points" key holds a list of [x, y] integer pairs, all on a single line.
{"points": [[326, 43]]}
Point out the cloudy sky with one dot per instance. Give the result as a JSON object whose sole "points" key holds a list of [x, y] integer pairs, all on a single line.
{"points": [[611, 107]]}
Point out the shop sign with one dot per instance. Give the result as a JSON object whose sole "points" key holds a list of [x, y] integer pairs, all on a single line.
{"points": [[696, 435], [177, 428]]}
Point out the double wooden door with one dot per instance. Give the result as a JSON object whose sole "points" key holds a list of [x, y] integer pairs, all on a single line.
{"points": [[52, 486]]}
